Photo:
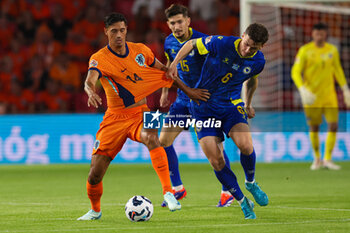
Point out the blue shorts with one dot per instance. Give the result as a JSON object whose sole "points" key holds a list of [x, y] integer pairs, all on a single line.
{"points": [[179, 110], [229, 116]]}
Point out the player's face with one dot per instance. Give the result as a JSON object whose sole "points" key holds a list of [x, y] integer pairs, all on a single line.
{"points": [[248, 47], [116, 34], [319, 36], [179, 24]]}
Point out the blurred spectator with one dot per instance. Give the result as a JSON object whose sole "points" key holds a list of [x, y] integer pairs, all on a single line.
{"points": [[151, 5], [90, 26], [199, 24], [6, 74], [205, 8], [102, 41], [20, 100], [66, 72], [58, 25], [227, 20], [124, 7], [40, 10], [27, 27], [6, 31], [160, 23], [79, 50], [45, 46], [153, 42], [142, 23], [72, 9], [53, 98], [18, 55], [13, 8], [35, 74], [167, 3]]}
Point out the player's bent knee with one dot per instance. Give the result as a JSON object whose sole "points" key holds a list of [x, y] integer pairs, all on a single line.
{"points": [[165, 142], [94, 178], [151, 141], [217, 164], [246, 149]]}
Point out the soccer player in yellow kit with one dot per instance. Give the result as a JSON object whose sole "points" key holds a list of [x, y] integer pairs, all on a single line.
{"points": [[316, 65]]}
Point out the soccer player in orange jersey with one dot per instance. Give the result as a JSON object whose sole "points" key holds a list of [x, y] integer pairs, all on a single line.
{"points": [[128, 73]]}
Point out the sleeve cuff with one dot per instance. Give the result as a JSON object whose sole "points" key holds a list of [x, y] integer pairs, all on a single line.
{"points": [[154, 62], [201, 47], [99, 72]]}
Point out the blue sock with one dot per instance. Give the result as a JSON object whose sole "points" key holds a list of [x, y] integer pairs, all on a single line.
{"points": [[248, 164], [173, 166], [229, 180], [227, 162]]}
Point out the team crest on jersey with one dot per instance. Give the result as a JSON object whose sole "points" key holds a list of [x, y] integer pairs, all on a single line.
{"points": [[96, 144], [173, 51], [247, 70], [93, 63], [220, 37], [140, 59], [208, 39], [235, 66]]}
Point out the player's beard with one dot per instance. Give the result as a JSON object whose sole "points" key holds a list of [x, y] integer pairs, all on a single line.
{"points": [[180, 36]]}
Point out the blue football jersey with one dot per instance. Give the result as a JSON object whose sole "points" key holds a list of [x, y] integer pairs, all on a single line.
{"points": [[189, 69], [224, 69]]}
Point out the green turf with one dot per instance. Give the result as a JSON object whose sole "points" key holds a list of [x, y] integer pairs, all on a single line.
{"points": [[50, 198]]}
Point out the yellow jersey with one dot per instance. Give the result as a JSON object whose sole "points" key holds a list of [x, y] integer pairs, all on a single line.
{"points": [[315, 68]]}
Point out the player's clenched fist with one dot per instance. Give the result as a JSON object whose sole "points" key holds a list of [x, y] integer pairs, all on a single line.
{"points": [[172, 71]]}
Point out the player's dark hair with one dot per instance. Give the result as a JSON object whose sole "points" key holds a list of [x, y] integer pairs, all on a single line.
{"points": [[176, 9], [320, 26], [114, 18], [257, 32]]}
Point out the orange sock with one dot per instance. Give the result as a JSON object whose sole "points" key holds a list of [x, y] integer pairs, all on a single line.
{"points": [[94, 194], [160, 165]]}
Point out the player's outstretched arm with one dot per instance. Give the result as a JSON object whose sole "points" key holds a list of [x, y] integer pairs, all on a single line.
{"points": [[184, 51], [252, 84], [90, 89]]}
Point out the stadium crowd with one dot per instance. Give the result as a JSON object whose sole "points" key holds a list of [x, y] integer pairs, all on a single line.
{"points": [[45, 45]]}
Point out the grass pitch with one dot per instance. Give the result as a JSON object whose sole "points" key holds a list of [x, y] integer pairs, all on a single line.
{"points": [[51, 198]]}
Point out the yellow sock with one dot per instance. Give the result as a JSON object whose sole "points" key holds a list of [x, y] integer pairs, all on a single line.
{"points": [[330, 142], [315, 144]]}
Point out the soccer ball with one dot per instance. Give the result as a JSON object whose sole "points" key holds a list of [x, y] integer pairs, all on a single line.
{"points": [[139, 208]]}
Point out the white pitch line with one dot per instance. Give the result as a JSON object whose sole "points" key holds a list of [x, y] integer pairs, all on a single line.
{"points": [[184, 205], [184, 226], [310, 208]]}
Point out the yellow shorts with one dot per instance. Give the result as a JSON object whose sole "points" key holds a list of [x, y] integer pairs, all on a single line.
{"points": [[116, 127], [314, 115]]}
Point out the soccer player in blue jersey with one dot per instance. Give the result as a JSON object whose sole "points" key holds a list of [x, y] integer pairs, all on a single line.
{"points": [[230, 61], [189, 71]]}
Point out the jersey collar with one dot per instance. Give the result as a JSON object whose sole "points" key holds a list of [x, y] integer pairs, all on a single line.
{"points": [[118, 55], [236, 47], [190, 36]]}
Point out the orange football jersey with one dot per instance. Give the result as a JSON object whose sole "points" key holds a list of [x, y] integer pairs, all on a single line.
{"points": [[128, 78]]}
